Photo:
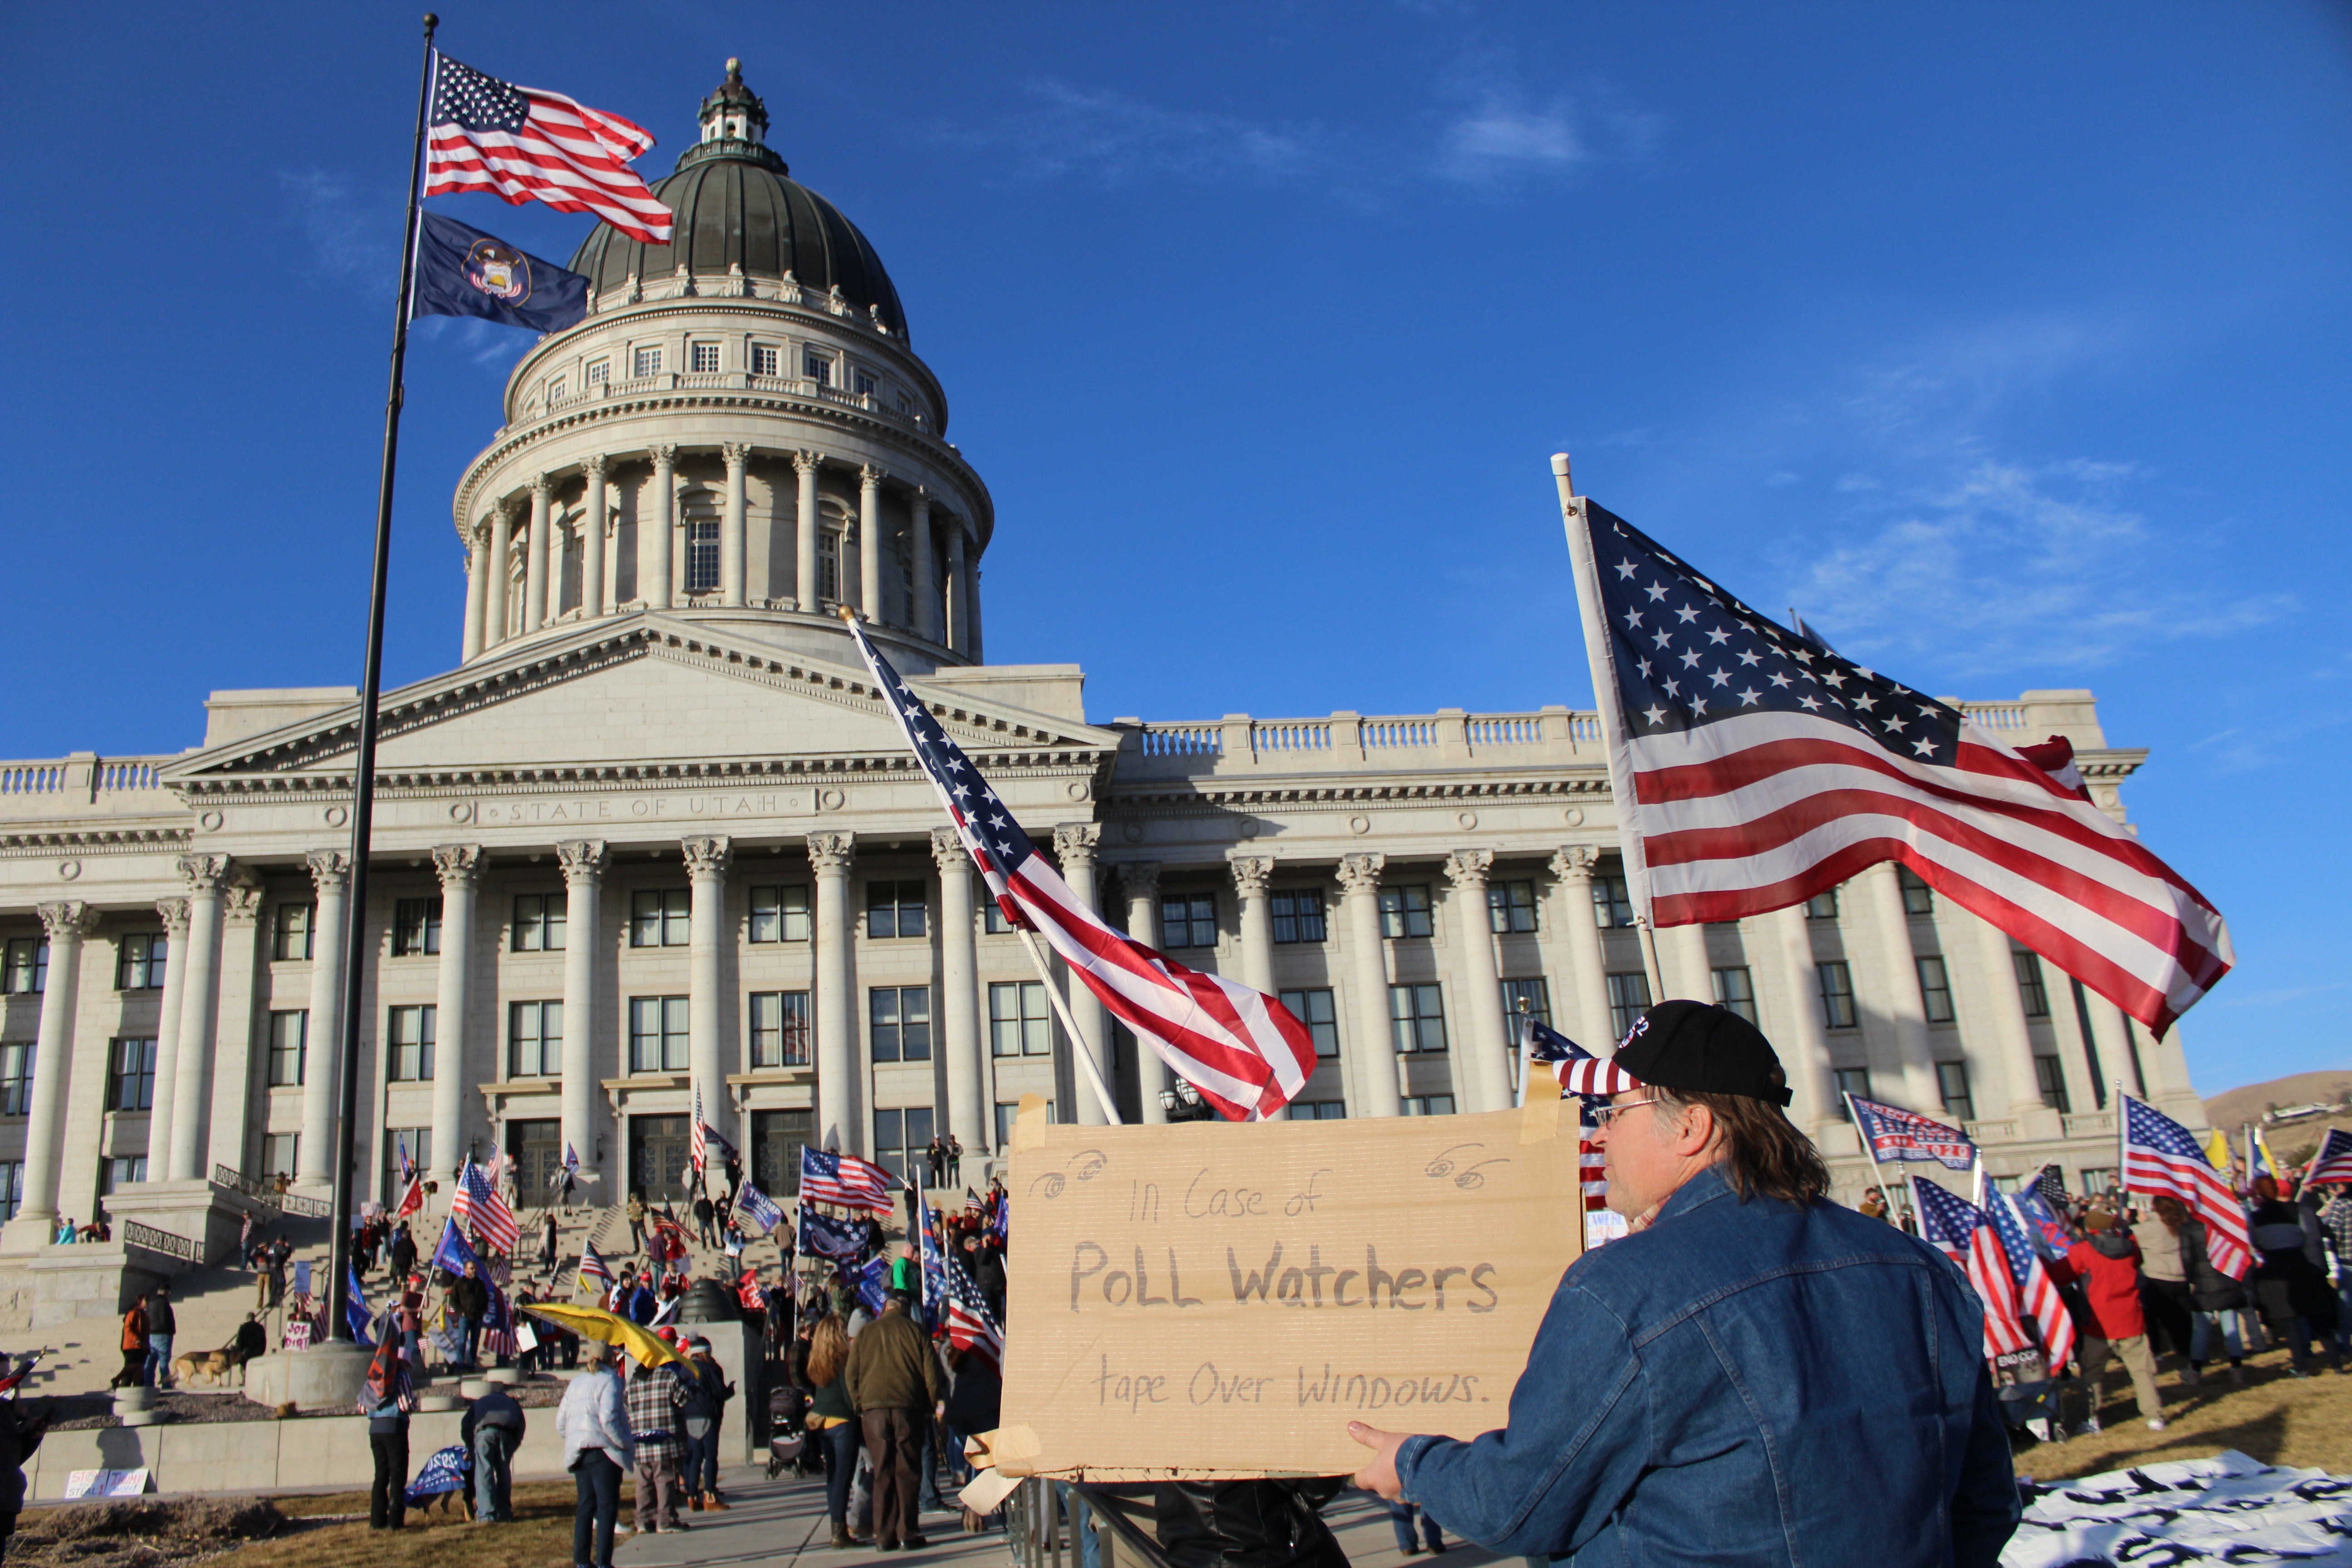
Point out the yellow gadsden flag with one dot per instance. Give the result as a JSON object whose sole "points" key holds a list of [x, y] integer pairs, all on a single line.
{"points": [[595, 1323]]}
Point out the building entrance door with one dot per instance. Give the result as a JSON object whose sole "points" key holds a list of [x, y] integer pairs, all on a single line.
{"points": [[537, 1150], [658, 1156], [777, 1138]]}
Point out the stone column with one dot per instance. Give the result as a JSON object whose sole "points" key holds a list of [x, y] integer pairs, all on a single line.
{"points": [[477, 577], [1375, 1052], [655, 545], [2012, 1035], [706, 859], [1251, 874], [496, 607], [66, 924], [869, 543], [1906, 1006], [804, 535], [835, 1002], [592, 539], [460, 867], [1075, 843], [583, 861], [1574, 865], [731, 539], [331, 878], [968, 1117], [958, 635], [539, 596], [230, 1111], [1803, 1042], [976, 646], [1140, 881], [925, 586], [1682, 952], [1488, 1076], [199, 1000], [167, 1035]]}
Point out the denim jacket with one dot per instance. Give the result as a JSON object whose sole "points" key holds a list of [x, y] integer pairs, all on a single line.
{"points": [[1742, 1384]]}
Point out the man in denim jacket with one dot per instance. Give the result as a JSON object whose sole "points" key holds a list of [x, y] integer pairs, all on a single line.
{"points": [[1755, 1376]]}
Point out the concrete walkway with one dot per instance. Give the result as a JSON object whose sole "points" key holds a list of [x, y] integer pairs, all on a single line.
{"points": [[783, 1521]]}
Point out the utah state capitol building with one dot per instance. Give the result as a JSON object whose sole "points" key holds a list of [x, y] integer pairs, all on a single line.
{"points": [[653, 836]]}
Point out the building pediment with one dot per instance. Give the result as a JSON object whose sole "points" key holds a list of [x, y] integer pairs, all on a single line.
{"points": [[647, 696]]}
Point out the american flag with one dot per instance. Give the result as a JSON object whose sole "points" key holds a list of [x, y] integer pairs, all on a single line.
{"points": [[669, 1239], [593, 1267], [412, 1185], [2037, 1292], [1963, 1232], [479, 1205], [701, 1137], [1894, 1133], [2160, 1158], [971, 1325], [2050, 1183], [525, 145], [757, 1208], [1753, 770], [1542, 1044], [1240, 1048], [847, 1182], [2333, 1162]]}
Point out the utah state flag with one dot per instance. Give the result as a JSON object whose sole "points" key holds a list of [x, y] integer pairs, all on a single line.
{"points": [[461, 271]]}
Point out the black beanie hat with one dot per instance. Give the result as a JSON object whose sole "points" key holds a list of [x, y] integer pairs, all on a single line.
{"points": [[1703, 1049]]}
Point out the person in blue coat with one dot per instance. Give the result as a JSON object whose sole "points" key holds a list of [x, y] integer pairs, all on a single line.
{"points": [[1755, 1376]]}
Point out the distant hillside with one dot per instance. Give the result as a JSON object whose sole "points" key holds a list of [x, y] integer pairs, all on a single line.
{"points": [[2233, 1110]]}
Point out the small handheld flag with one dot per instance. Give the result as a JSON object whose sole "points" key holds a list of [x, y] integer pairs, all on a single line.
{"points": [[1894, 1133], [2333, 1162], [453, 1254], [2037, 1292], [829, 1238], [2161, 1159], [847, 1182], [1963, 1232], [757, 1206]]}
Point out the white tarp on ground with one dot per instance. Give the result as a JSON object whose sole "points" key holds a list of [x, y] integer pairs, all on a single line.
{"points": [[2231, 1509]]}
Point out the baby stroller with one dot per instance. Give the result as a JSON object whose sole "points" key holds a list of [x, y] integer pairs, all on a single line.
{"points": [[788, 1443]]}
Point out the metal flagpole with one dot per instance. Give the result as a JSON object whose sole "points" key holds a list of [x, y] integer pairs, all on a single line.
{"points": [[1869, 1147], [1078, 1046], [355, 939], [1604, 699]]}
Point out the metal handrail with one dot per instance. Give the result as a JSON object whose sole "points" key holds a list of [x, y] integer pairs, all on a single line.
{"points": [[1042, 1517]]}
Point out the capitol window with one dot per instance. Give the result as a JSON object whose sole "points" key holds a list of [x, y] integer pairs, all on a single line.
{"points": [[1417, 1017], [765, 360], [1526, 998], [2029, 988], [138, 962], [702, 358], [601, 373], [1735, 990], [817, 367], [660, 917], [779, 1022], [1404, 911], [894, 908], [539, 923], [1188, 920], [535, 1039], [1952, 1083], [1511, 906], [1854, 1081], [410, 1030], [702, 556], [779, 914], [1017, 1021], [1919, 899], [644, 363], [1299, 916], [1837, 995], [1426, 1105], [657, 1030], [290, 935], [1314, 1009], [865, 385], [26, 971], [289, 1039], [15, 1076], [900, 1022], [416, 928], [1934, 988], [1821, 906], [1629, 998], [131, 1085], [1612, 908], [555, 392]]}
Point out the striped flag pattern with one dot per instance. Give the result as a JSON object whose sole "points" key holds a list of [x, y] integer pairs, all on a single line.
{"points": [[2037, 1292], [971, 1325], [1753, 769], [479, 1205], [525, 145], [1240, 1048], [847, 1182], [1575, 1064], [2333, 1162], [593, 1266], [1963, 1232], [1894, 1133], [2161, 1159]]}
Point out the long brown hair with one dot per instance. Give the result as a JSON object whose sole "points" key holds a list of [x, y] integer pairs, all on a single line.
{"points": [[2171, 1211], [828, 1349], [1763, 1154]]}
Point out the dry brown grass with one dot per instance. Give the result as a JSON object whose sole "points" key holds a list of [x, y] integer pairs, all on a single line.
{"points": [[434, 1538], [2278, 1419]]}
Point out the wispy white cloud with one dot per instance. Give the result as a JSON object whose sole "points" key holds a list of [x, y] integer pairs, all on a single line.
{"points": [[2279, 996], [2251, 747], [352, 239], [1498, 135], [491, 346], [1116, 138]]}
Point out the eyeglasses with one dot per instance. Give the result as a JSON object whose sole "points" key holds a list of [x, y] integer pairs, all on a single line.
{"points": [[1606, 1116]]}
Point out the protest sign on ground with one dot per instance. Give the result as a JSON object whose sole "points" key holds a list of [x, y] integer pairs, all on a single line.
{"points": [[1220, 1300]]}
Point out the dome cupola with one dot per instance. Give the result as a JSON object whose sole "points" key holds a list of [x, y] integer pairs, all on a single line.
{"points": [[738, 210]]}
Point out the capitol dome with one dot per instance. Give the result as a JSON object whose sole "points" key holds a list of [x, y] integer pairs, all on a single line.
{"points": [[738, 207]]}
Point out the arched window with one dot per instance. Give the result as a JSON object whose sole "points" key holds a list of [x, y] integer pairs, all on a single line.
{"points": [[700, 509]]}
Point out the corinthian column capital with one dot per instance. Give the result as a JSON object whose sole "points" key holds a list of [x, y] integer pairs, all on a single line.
{"points": [[70, 919], [241, 904], [329, 868], [1076, 841], [459, 866], [734, 453], [175, 912], [1361, 873], [1139, 878], [594, 466], [664, 455], [203, 873], [1468, 868], [806, 462], [948, 850], [1251, 874], [706, 856], [583, 860], [540, 487], [1575, 862], [870, 478], [832, 851]]}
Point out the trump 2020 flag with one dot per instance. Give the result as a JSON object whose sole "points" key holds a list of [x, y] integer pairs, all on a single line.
{"points": [[453, 1254], [1894, 1133], [1753, 769], [757, 1208], [461, 271]]}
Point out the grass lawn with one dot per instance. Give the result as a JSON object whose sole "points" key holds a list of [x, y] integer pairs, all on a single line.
{"points": [[2278, 1419], [540, 1534]]}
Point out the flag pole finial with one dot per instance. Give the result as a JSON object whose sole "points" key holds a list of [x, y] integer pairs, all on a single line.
{"points": [[1560, 466], [431, 22]]}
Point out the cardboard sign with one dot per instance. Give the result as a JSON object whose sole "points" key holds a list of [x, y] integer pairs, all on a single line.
{"points": [[105, 1483], [1220, 1300]]}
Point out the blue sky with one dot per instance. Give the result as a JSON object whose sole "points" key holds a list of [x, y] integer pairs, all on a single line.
{"points": [[2007, 340]]}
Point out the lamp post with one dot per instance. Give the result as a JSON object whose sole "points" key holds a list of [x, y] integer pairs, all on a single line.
{"points": [[1184, 1103]]}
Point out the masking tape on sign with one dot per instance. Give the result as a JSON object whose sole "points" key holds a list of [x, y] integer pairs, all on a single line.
{"points": [[1539, 1117]]}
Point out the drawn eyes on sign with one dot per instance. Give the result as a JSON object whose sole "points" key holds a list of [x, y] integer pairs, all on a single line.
{"points": [[1465, 1175], [1083, 1166]]}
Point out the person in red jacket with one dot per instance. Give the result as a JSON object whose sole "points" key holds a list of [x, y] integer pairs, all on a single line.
{"points": [[2107, 1261]]}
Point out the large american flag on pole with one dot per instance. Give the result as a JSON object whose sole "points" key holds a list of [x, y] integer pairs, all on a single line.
{"points": [[1240, 1048], [2160, 1158], [477, 1205], [847, 1182], [1754, 768], [1964, 1233], [526, 144]]}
